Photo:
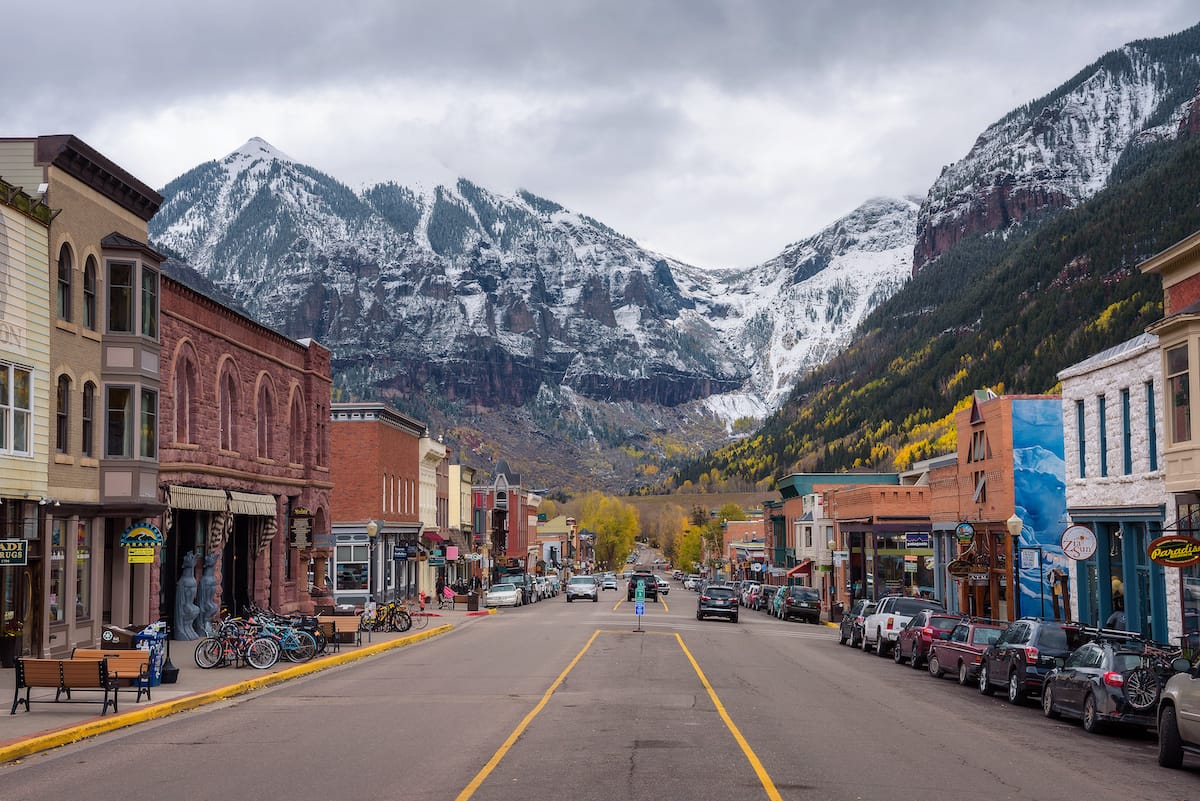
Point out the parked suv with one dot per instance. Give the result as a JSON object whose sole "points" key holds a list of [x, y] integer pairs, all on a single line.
{"points": [[925, 628], [1024, 655], [962, 651], [801, 602], [651, 584], [1179, 715], [717, 599], [850, 628], [892, 613]]}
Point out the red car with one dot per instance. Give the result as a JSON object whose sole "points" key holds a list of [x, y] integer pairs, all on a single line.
{"points": [[961, 653], [925, 628]]}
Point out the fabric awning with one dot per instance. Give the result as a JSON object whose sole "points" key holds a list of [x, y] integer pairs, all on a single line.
{"points": [[197, 498], [433, 536], [804, 567], [248, 503]]}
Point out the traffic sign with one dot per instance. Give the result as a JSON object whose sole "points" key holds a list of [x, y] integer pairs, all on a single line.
{"points": [[639, 592], [639, 607]]}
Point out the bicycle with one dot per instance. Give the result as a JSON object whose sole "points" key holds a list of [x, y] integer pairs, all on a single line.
{"points": [[1144, 684], [416, 611], [236, 641]]}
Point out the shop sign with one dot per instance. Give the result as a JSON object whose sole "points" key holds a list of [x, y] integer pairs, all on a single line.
{"points": [[756, 567], [1175, 550], [452, 552], [399, 552], [965, 533], [14, 553], [437, 561], [301, 527], [473, 557], [141, 556], [959, 568], [916, 539], [841, 557], [1078, 542], [910, 567], [142, 534], [977, 579]]}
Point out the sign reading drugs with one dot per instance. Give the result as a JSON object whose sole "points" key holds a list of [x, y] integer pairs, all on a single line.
{"points": [[14, 553]]}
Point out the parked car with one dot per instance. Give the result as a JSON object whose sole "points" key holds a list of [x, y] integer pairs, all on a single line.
{"points": [[850, 628], [503, 594], [801, 602], [1179, 715], [749, 591], [717, 600], [649, 583], [1097, 684], [766, 597], [920, 633], [663, 587], [961, 652], [1024, 655], [583, 587], [891, 613]]}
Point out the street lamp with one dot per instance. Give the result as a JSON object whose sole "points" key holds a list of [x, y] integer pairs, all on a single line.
{"points": [[372, 533]]}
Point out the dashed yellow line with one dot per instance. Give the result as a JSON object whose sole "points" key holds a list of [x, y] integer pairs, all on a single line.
{"points": [[618, 604], [487, 769], [751, 757]]}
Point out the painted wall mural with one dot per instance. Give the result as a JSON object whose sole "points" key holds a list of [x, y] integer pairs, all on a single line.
{"points": [[1039, 476]]}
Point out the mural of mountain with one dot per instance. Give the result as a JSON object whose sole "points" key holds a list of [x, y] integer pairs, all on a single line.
{"points": [[456, 299]]}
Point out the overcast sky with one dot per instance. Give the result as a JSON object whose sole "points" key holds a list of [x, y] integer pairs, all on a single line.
{"points": [[714, 132]]}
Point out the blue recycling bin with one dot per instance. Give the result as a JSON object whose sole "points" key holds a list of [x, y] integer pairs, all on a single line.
{"points": [[153, 638]]}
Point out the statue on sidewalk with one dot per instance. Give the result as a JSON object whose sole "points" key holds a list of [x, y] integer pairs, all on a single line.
{"points": [[208, 595], [186, 609]]}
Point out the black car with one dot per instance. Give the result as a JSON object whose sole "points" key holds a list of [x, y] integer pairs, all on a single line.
{"points": [[765, 596], [851, 628], [801, 602], [718, 600], [1102, 682], [1024, 655], [650, 583]]}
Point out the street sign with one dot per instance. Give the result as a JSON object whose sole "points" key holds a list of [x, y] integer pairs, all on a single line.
{"points": [[639, 607], [639, 592]]}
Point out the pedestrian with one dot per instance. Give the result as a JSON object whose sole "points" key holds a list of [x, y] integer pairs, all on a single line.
{"points": [[440, 585]]}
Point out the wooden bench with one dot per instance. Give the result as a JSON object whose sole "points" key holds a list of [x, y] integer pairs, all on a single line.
{"points": [[329, 630], [64, 675], [346, 630], [459, 599], [129, 666]]}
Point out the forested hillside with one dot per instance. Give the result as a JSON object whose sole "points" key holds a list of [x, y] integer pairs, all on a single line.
{"points": [[1001, 312]]}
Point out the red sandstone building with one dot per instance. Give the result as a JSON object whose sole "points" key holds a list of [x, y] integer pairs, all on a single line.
{"points": [[244, 462]]}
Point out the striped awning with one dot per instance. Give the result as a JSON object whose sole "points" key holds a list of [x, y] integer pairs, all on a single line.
{"points": [[248, 503], [198, 498]]}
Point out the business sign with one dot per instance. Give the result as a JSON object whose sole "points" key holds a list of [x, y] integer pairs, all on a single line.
{"points": [[965, 533], [141, 556], [437, 561], [142, 534], [959, 568], [841, 557], [14, 553], [916, 539], [452, 552], [756, 567], [1175, 550], [1029, 558], [1078, 542], [300, 527], [977, 579]]}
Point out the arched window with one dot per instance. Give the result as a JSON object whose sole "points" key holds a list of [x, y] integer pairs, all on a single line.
{"points": [[88, 419], [89, 294], [266, 421], [296, 433], [228, 413], [65, 265], [185, 399], [62, 414]]}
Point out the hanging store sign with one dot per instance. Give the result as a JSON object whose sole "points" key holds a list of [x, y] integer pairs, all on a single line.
{"points": [[1078, 542], [14, 553], [142, 534], [959, 568], [300, 527], [141, 556], [1174, 550], [916, 539], [965, 533]]}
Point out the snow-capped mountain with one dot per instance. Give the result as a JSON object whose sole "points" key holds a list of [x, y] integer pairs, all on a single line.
{"points": [[490, 297], [1061, 149]]}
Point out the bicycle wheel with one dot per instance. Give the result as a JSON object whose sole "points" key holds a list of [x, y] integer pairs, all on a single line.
{"points": [[404, 620], [301, 647], [321, 640], [420, 620], [208, 652], [262, 653], [1142, 688]]}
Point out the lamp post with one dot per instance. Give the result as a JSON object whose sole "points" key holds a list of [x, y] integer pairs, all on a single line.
{"points": [[372, 533], [1014, 525]]}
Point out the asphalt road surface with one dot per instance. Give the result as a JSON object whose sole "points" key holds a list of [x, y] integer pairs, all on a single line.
{"points": [[569, 702]]}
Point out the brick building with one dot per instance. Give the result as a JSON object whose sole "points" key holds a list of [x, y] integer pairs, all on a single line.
{"points": [[245, 469]]}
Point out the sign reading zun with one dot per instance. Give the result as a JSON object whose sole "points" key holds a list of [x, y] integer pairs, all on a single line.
{"points": [[1175, 551]]}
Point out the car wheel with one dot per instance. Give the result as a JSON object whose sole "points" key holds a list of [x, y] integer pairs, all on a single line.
{"points": [[964, 675], [897, 653], [1015, 694], [1091, 716], [914, 660], [881, 649], [935, 667], [985, 683], [699, 616], [1048, 702], [841, 637], [734, 618], [1170, 744], [864, 645]]}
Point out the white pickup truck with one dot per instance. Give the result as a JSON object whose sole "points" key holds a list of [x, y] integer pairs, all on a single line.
{"points": [[892, 613]]}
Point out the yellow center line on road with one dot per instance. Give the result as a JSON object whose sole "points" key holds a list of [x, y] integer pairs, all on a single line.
{"points": [[487, 769], [751, 757], [663, 601], [618, 605]]}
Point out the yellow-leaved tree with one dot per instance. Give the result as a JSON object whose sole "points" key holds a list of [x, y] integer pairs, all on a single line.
{"points": [[613, 523]]}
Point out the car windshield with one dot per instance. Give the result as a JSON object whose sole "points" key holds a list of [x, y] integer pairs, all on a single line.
{"points": [[910, 606], [719, 592], [983, 636], [581, 580], [504, 588]]}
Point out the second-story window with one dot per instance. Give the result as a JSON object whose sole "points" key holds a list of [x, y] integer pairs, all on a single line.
{"points": [[16, 410], [1179, 401], [185, 387], [1102, 411], [1081, 437], [89, 294], [88, 419], [65, 266], [1152, 425], [118, 422], [62, 414], [120, 297], [149, 303], [296, 433], [266, 422], [149, 425], [1126, 434], [228, 414]]}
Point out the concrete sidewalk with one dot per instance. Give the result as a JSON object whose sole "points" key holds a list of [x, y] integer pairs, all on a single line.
{"points": [[48, 725]]}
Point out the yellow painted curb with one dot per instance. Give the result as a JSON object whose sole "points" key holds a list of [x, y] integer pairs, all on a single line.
{"points": [[72, 734]]}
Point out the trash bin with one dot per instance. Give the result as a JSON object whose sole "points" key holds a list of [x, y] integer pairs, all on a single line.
{"points": [[153, 638], [473, 601], [116, 637], [836, 612]]}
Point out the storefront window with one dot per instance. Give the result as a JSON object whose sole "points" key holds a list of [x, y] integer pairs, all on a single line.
{"points": [[352, 563], [58, 573], [83, 569]]}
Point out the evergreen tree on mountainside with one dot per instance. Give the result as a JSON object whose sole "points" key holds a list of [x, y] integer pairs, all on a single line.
{"points": [[1001, 312]]}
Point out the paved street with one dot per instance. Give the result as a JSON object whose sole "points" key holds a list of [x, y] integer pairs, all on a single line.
{"points": [[791, 715]]}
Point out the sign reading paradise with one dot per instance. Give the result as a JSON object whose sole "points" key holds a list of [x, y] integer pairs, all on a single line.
{"points": [[1174, 550]]}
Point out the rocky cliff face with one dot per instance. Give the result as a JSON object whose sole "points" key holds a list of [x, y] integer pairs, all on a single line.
{"points": [[1061, 149]]}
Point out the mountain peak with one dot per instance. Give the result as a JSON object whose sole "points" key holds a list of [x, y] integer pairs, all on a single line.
{"points": [[258, 148]]}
